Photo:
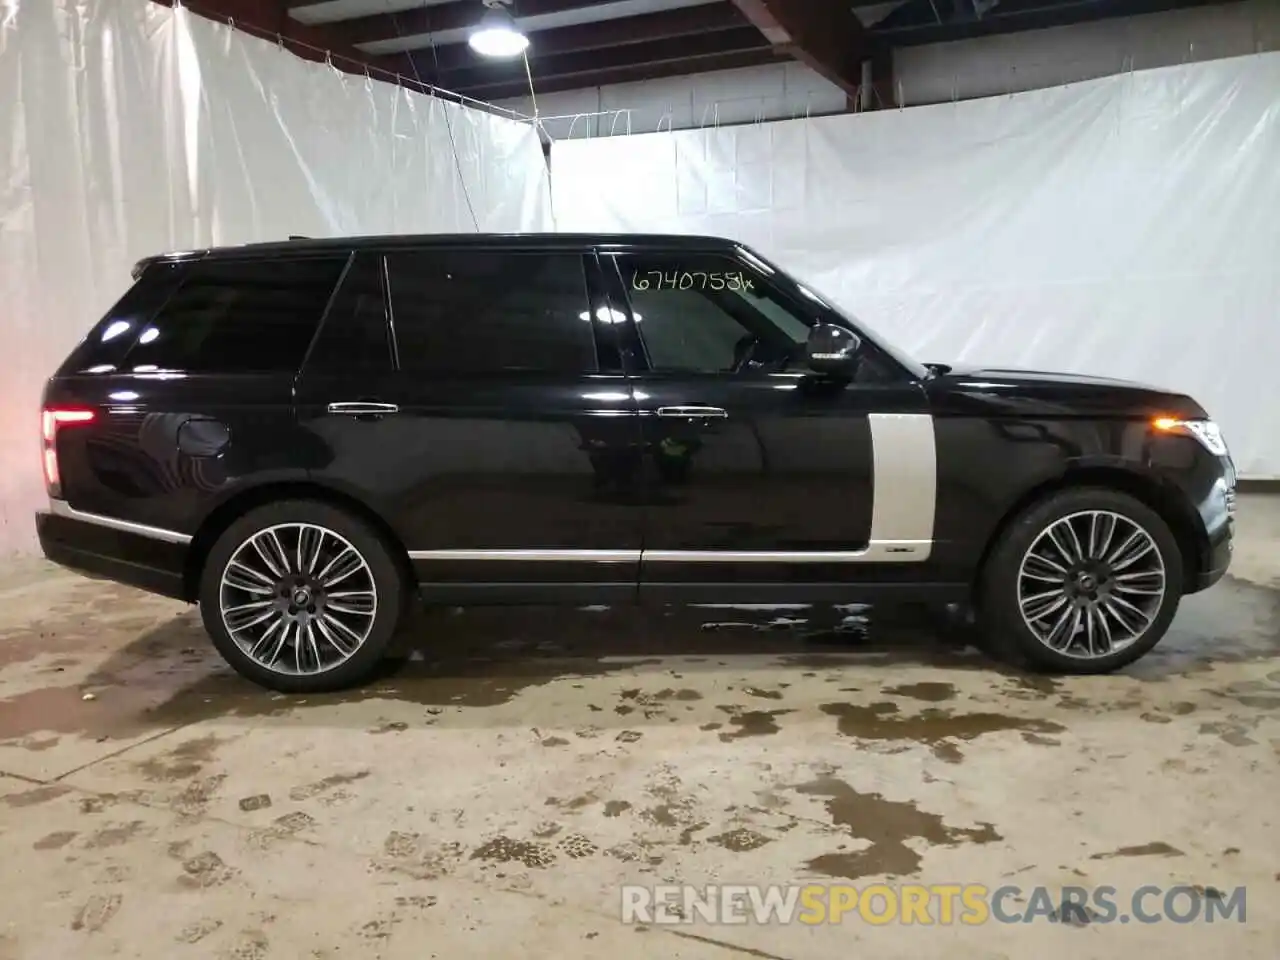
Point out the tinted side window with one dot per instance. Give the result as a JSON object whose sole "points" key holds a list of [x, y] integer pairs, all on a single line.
{"points": [[490, 311], [238, 317], [709, 314], [355, 336], [102, 351]]}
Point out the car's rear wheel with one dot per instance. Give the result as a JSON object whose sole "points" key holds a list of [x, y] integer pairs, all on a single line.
{"points": [[1085, 581], [300, 596]]}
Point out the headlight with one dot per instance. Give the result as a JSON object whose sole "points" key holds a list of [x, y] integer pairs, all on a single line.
{"points": [[1206, 431]]}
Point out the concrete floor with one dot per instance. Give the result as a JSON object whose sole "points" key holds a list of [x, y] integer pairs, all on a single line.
{"points": [[492, 795]]}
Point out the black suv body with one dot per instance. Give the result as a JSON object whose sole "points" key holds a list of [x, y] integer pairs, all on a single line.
{"points": [[301, 436]]}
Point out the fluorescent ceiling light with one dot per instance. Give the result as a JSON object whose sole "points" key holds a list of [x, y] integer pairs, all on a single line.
{"points": [[497, 35]]}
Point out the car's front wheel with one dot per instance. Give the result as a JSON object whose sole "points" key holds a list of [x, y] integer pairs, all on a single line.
{"points": [[301, 597], [1085, 581]]}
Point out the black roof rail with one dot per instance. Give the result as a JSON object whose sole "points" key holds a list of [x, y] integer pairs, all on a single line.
{"points": [[295, 236]]}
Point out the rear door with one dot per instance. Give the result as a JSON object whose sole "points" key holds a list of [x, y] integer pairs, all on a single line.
{"points": [[485, 419]]}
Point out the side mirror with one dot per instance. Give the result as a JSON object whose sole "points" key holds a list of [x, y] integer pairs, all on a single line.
{"points": [[832, 351]]}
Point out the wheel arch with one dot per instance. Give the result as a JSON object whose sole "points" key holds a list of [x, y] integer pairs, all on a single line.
{"points": [[236, 506], [1193, 543]]}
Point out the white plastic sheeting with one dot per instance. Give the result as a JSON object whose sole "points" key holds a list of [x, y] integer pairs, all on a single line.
{"points": [[1128, 226], [127, 128]]}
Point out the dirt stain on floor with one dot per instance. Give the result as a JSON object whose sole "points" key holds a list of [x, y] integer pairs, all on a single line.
{"points": [[649, 699], [309, 790], [740, 840], [1157, 849], [1034, 683], [96, 912], [753, 723], [37, 744], [36, 795], [928, 691], [572, 803], [116, 834], [182, 762], [1232, 734], [662, 815], [938, 729], [63, 710], [506, 850], [822, 661], [205, 869], [477, 682], [887, 825], [481, 666], [55, 840], [281, 828], [1040, 741]]}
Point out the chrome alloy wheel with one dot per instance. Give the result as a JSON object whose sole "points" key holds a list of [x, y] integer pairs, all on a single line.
{"points": [[298, 598], [1091, 584]]}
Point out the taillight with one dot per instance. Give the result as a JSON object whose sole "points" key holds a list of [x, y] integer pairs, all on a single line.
{"points": [[53, 419]]}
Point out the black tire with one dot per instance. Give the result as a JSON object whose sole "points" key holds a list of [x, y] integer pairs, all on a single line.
{"points": [[999, 612], [389, 593]]}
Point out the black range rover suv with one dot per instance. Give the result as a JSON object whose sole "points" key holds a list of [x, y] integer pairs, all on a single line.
{"points": [[302, 436]]}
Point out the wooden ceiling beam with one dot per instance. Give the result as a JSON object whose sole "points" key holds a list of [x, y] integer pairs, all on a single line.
{"points": [[824, 34]]}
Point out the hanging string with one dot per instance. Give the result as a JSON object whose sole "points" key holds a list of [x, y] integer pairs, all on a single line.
{"points": [[448, 124], [542, 132], [533, 96]]}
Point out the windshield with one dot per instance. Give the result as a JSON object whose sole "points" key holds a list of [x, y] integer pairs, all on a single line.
{"points": [[909, 362]]}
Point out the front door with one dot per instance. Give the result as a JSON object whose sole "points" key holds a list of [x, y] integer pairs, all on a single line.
{"points": [[761, 474], [486, 428]]}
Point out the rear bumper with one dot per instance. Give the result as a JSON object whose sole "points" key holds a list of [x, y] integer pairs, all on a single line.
{"points": [[123, 556]]}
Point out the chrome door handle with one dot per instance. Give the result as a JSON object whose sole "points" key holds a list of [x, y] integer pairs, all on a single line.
{"points": [[692, 413], [363, 408]]}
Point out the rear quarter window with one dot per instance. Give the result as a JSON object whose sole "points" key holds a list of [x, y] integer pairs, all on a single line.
{"points": [[222, 316], [212, 317], [103, 350]]}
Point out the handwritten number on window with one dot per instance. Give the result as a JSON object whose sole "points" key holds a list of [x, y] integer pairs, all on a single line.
{"points": [[697, 280]]}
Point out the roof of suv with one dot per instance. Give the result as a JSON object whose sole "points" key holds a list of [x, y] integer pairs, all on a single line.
{"points": [[548, 241]]}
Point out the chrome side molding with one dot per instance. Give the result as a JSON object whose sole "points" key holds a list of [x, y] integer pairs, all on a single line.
{"points": [[60, 508], [878, 551], [580, 556], [883, 551]]}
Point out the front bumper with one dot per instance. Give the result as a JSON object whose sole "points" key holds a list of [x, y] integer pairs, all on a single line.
{"points": [[1219, 561], [1219, 516]]}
